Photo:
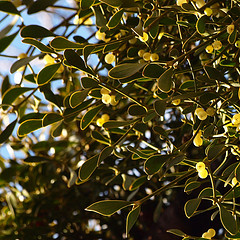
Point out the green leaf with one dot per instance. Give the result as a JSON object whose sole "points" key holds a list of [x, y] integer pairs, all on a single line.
{"points": [[115, 19], [233, 236], [136, 110], [201, 24], [78, 97], [164, 82], [149, 116], [33, 115], [154, 29], [34, 160], [137, 183], [160, 131], [120, 3], [207, 97], [35, 31], [160, 107], [227, 219], [132, 218], [232, 37], [115, 124], [101, 20], [76, 61], [47, 73], [6, 133], [38, 44], [88, 167], [29, 126], [237, 172], [8, 7], [89, 116], [208, 193], [191, 206], [12, 94], [106, 152], [21, 62], [87, 50], [213, 149], [125, 70], [153, 70], [96, 135], [5, 85], [51, 118], [215, 74], [139, 153], [177, 232], [40, 5], [62, 43], [6, 41], [154, 163], [108, 207], [191, 186], [88, 82], [86, 4]]}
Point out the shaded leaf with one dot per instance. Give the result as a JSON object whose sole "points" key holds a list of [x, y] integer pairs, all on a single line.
{"points": [[86, 4], [6, 133], [136, 110], [125, 70], [34, 160], [87, 50], [132, 218], [96, 135], [154, 163], [227, 219], [51, 118], [78, 97], [89, 116], [62, 43], [215, 74], [88, 167], [232, 37], [160, 107], [137, 183], [164, 82], [115, 19], [29, 126], [6, 41], [40, 5], [237, 172], [35, 31], [8, 7], [106, 152], [201, 24], [38, 44], [101, 20], [47, 73], [108, 207], [191, 186], [153, 70], [191, 206], [139, 153], [88, 82], [177, 232]]}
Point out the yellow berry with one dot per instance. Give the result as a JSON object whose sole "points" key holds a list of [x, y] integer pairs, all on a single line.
{"points": [[100, 122], [198, 141], [132, 41], [113, 101], [237, 44], [109, 58], [105, 117], [154, 57], [181, 2], [211, 232], [141, 52], [236, 119], [217, 45], [100, 35], [210, 111], [202, 115], [208, 11], [146, 56], [106, 98], [230, 28], [22, 55], [104, 91], [234, 181], [200, 166], [176, 102], [48, 59], [206, 235], [144, 38], [209, 49], [203, 174]]}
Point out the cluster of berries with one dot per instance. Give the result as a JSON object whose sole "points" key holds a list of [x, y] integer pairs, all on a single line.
{"points": [[104, 118], [209, 234], [202, 114], [202, 171], [147, 56], [107, 98]]}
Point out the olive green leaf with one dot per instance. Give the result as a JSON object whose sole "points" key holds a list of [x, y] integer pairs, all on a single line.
{"points": [[164, 82], [29, 126], [35, 31], [154, 163], [38, 44], [6, 133], [132, 218], [191, 206]]}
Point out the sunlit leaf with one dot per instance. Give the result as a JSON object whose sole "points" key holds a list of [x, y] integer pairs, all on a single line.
{"points": [[29, 126], [78, 97], [115, 19], [51, 118], [38, 44]]}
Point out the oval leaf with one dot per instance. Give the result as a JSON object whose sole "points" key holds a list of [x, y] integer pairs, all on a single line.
{"points": [[61, 43], [89, 116], [86, 4], [136, 110], [108, 207], [34, 160], [132, 218], [8, 7], [29, 126], [6, 41], [47, 73], [125, 70], [115, 19], [160, 107], [87, 82], [201, 24], [164, 82], [228, 220], [35, 31], [106, 152], [51, 118], [191, 206], [153, 164], [153, 70], [6, 133], [78, 97], [38, 44]]}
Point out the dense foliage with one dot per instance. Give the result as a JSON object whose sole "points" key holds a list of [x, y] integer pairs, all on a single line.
{"points": [[138, 120]]}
